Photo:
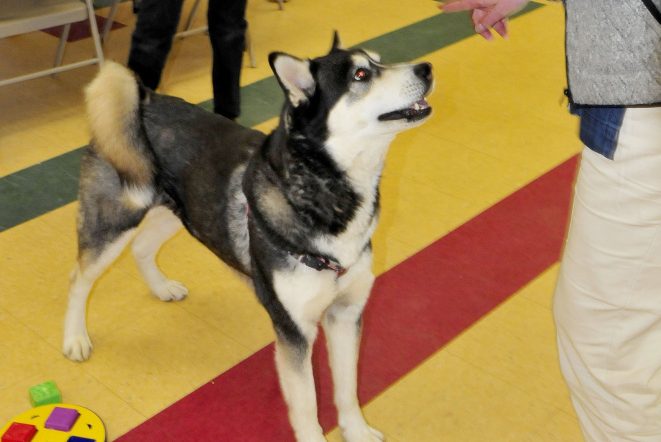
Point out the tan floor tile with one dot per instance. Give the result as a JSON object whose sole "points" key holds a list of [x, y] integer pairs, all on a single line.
{"points": [[161, 357], [472, 153], [562, 426], [540, 290], [516, 344], [448, 399]]}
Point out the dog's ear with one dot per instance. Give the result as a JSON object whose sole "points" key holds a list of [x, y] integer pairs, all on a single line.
{"points": [[294, 76], [337, 43]]}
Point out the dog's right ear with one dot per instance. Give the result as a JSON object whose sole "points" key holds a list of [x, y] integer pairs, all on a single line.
{"points": [[294, 76], [337, 43]]}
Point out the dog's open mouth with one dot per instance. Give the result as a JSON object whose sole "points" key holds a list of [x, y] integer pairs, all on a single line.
{"points": [[417, 111]]}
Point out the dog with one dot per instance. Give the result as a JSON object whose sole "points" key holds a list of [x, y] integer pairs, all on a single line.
{"points": [[293, 210]]}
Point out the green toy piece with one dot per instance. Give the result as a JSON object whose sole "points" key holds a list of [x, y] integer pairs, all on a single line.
{"points": [[44, 394]]}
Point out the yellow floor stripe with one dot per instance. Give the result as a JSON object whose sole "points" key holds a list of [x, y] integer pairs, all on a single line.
{"points": [[498, 125]]}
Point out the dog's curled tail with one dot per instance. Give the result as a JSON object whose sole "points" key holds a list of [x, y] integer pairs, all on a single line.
{"points": [[113, 111]]}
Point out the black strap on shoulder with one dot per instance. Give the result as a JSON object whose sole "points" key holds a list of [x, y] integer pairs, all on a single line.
{"points": [[653, 9]]}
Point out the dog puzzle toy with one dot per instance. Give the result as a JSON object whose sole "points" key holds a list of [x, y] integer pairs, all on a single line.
{"points": [[44, 394], [51, 423]]}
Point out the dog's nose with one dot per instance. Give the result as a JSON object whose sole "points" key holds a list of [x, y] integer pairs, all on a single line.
{"points": [[423, 70]]}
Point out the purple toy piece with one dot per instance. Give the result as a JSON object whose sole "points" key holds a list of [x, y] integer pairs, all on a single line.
{"points": [[62, 419]]}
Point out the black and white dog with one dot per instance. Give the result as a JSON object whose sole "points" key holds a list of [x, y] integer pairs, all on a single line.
{"points": [[293, 210]]}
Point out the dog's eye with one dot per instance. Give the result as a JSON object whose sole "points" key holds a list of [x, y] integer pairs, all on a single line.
{"points": [[361, 74]]}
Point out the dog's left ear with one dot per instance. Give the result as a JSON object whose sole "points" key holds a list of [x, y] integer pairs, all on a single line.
{"points": [[337, 43], [294, 76]]}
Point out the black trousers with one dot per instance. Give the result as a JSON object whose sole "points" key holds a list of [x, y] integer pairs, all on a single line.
{"points": [[152, 39]]}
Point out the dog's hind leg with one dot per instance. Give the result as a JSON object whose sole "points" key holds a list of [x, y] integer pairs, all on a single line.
{"points": [[92, 262], [342, 327], [159, 225], [107, 221]]}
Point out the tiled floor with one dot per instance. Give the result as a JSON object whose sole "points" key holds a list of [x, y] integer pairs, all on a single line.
{"points": [[499, 124]]}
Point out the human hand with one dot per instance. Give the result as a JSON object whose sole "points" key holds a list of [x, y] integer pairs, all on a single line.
{"points": [[486, 13]]}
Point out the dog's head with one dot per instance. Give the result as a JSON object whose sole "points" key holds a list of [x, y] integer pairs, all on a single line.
{"points": [[351, 93]]}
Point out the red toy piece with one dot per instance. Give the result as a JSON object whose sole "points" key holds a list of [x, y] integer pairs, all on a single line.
{"points": [[18, 432]]}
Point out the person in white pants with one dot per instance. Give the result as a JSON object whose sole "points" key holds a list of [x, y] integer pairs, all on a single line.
{"points": [[607, 303]]}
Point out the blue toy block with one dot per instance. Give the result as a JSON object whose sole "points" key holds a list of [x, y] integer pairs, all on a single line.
{"points": [[79, 439]]}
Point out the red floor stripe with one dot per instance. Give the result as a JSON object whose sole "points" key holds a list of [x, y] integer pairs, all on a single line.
{"points": [[415, 309]]}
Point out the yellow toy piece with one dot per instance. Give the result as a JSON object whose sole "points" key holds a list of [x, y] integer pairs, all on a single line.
{"points": [[88, 426]]}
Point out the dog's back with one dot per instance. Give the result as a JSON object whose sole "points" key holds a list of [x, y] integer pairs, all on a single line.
{"points": [[143, 134], [167, 151]]}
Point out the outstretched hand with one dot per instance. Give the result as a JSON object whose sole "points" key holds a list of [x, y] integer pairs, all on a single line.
{"points": [[486, 14]]}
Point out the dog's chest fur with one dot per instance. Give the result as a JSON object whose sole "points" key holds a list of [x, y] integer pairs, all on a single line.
{"points": [[347, 245], [346, 201], [312, 203]]}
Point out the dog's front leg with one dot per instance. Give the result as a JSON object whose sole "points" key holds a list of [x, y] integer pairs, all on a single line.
{"points": [[295, 299], [294, 365], [342, 327]]}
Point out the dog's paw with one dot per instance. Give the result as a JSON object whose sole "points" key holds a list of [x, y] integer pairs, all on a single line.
{"points": [[363, 433], [77, 347], [312, 438], [310, 433], [170, 290]]}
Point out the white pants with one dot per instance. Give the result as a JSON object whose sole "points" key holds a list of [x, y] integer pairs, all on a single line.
{"points": [[607, 303]]}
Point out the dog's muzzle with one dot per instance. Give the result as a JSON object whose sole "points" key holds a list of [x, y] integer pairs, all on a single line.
{"points": [[420, 108]]}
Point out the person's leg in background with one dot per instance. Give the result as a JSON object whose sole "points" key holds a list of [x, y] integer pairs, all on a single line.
{"points": [[152, 38], [607, 304], [227, 32]]}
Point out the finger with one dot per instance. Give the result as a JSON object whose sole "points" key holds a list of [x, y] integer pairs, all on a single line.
{"points": [[465, 5], [501, 27], [476, 16], [502, 10], [486, 34]]}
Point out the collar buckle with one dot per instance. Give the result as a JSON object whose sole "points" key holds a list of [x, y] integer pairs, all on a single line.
{"points": [[320, 263]]}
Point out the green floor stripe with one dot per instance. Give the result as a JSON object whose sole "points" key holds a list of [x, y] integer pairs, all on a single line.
{"points": [[41, 188], [38, 189]]}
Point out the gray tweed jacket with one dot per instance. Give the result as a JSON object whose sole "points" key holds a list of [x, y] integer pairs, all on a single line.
{"points": [[614, 51]]}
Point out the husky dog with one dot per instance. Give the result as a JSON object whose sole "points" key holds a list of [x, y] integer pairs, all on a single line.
{"points": [[293, 210]]}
